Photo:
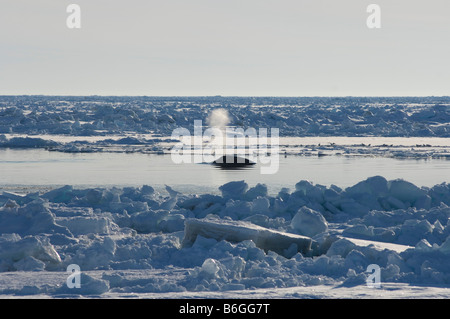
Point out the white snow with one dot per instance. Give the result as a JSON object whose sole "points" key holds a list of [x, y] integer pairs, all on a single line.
{"points": [[285, 244], [128, 241], [210, 267], [308, 126], [308, 222]]}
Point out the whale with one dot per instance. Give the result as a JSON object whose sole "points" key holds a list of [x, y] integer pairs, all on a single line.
{"points": [[232, 161]]}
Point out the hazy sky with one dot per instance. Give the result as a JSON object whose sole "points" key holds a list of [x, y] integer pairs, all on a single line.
{"points": [[225, 47]]}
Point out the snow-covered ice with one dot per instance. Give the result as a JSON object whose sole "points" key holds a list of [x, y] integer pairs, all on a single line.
{"points": [[129, 241], [307, 126], [295, 116], [308, 222], [283, 243]]}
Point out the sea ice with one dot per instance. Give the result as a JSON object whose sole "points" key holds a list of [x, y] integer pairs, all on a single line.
{"points": [[234, 231], [234, 190], [241, 239], [308, 222], [16, 252]]}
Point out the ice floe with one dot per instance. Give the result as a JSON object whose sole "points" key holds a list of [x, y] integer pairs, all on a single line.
{"points": [[242, 239]]}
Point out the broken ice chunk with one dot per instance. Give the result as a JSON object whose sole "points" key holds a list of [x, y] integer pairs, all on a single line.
{"points": [[308, 222], [237, 231]]}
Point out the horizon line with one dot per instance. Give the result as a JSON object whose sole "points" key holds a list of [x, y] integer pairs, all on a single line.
{"points": [[231, 96]]}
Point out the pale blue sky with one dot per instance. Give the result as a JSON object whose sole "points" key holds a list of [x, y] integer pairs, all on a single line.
{"points": [[233, 47]]}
